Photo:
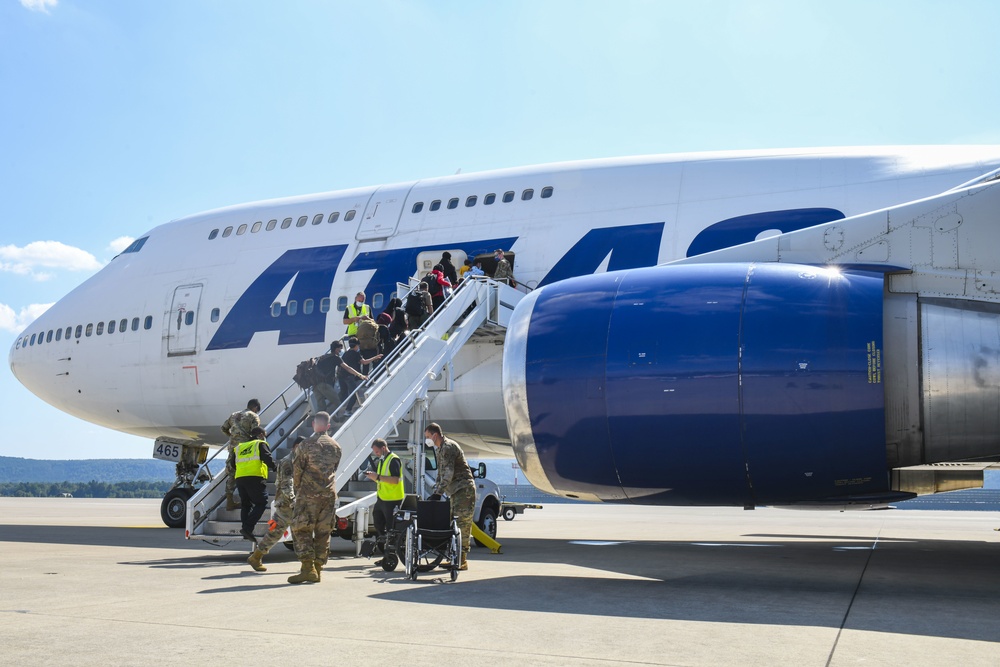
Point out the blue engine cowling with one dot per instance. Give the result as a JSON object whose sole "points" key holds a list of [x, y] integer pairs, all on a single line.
{"points": [[735, 384]]}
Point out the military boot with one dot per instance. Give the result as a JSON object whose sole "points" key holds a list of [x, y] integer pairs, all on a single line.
{"points": [[231, 504], [306, 575], [464, 563], [255, 560], [318, 566]]}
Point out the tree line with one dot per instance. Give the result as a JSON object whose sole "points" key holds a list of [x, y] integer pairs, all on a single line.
{"points": [[91, 489]]}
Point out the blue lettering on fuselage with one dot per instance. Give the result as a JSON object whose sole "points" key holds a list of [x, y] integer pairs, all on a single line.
{"points": [[313, 270], [392, 266], [745, 228], [631, 247]]}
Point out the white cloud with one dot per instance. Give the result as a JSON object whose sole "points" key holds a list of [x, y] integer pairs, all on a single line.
{"points": [[120, 244], [39, 5], [45, 254], [16, 322]]}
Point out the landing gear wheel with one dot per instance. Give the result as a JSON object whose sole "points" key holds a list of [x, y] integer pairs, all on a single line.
{"points": [[487, 523], [173, 509], [509, 514]]}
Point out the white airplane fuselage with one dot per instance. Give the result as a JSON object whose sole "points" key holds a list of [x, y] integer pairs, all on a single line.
{"points": [[207, 311]]}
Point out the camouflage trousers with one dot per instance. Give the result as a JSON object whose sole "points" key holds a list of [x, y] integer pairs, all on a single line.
{"points": [[463, 507], [313, 519], [276, 528], [230, 471]]}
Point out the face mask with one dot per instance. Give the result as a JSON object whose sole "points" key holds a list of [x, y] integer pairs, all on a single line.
{"points": [[429, 442], [359, 301]]}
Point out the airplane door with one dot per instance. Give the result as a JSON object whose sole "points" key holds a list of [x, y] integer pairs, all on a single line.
{"points": [[182, 324], [383, 212]]}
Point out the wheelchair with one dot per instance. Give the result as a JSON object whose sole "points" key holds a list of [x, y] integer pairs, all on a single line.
{"points": [[432, 536], [392, 545]]}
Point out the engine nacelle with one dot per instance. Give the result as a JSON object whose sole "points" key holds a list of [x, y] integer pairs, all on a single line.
{"points": [[735, 384]]}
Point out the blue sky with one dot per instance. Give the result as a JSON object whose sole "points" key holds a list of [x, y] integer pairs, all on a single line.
{"points": [[118, 116]]}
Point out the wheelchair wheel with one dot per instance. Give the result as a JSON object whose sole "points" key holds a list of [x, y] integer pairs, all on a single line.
{"points": [[389, 562], [454, 574], [428, 561]]}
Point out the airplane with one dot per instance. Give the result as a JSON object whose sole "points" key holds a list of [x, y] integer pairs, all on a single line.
{"points": [[203, 312]]}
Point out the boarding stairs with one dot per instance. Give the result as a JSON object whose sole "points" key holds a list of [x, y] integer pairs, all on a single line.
{"points": [[393, 398]]}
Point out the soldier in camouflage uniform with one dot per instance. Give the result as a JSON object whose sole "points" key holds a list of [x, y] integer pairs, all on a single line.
{"points": [[283, 504], [454, 478], [503, 273], [238, 428], [314, 468]]}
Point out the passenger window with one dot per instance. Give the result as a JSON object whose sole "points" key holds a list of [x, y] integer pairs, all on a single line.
{"points": [[275, 309], [242, 229], [189, 318], [301, 222], [453, 203], [271, 224], [489, 199], [292, 307], [256, 227], [286, 223], [215, 314], [471, 201], [32, 339], [212, 234], [341, 303], [546, 192], [69, 332], [324, 304], [79, 330], [100, 328], [17, 345], [148, 323], [228, 231], [318, 218], [111, 327], [307, 307], [349, 215], [377, 301], [508, 197], [58, 335], [418, 207], [334, 217], [48, 336], [436, 204], [90, 330], [122, 326], [135, 324], [527, 194]]}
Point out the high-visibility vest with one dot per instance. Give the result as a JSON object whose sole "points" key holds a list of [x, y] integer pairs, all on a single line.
{"points": [[352, 328], [248, 463], [388, 491]]}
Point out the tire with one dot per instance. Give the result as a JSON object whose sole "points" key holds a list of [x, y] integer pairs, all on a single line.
{"points": [[454, 573], [428, 562], [509, 513], [289, 545], [173, 509], [487, 523], [389, 562]]}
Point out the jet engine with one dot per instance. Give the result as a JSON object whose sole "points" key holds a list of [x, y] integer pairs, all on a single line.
{"points": [[731, 384]]}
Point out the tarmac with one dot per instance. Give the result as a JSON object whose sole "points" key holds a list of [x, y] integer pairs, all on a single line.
{"points": [[100, 582]]}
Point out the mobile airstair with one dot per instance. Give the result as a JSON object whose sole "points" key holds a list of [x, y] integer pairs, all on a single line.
{"points": [[393, 399]]}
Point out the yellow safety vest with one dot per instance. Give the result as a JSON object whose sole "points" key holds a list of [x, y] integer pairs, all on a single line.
{"points": [[388, 491], [352, 328], [248, 463]]}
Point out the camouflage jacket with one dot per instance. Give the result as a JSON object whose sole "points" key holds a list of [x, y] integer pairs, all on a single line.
{"points": [[503, 270], [283, 487], [239, 425], [453, 473], [314, 467]]}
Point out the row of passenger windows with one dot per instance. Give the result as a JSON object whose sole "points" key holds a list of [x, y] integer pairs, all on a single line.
{"points": [[308, 305], [55, 335], [285, 224], [488, 200]]}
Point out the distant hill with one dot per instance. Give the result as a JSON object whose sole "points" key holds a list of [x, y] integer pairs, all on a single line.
{"points": [[15, 469]]}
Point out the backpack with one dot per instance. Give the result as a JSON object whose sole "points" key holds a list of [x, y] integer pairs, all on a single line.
{"points": [[306, 373], [367, 334], [415, 304]]}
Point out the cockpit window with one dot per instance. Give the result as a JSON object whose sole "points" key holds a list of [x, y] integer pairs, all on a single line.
{"points": [[136, 245]]}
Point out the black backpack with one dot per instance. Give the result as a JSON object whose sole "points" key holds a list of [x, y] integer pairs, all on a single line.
{"points": [[307, 374], [415, 304]]}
